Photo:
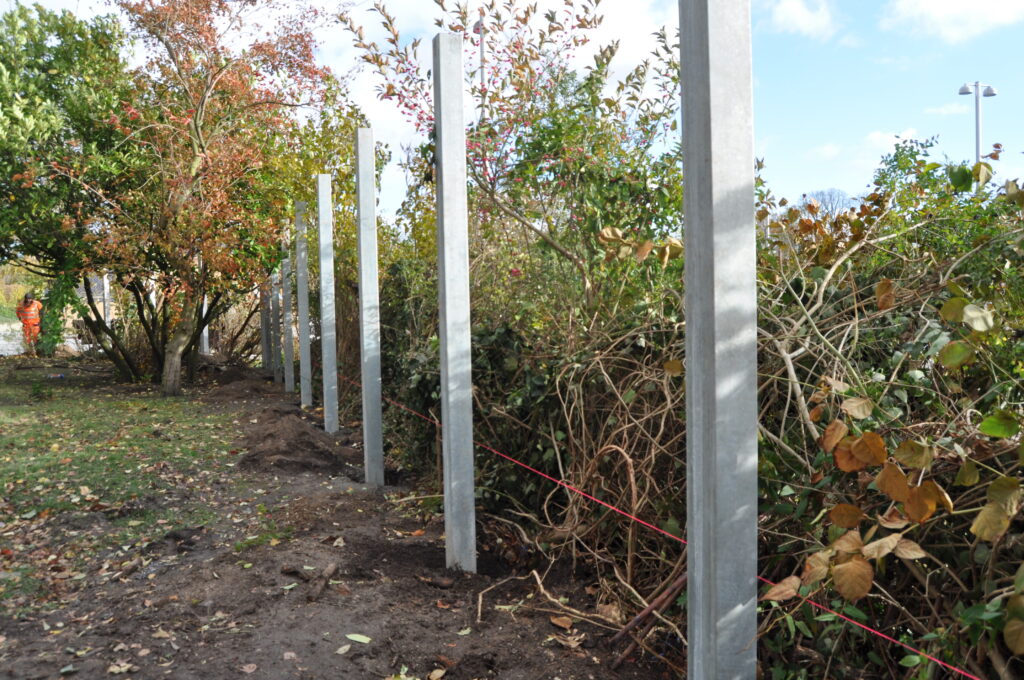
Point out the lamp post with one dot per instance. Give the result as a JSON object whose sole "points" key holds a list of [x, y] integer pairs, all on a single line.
{"points": [[976, 89]]}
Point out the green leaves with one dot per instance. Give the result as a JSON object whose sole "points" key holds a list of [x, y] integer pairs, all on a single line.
{"points": [[1001, 424], [956, 354], [961, 177]]}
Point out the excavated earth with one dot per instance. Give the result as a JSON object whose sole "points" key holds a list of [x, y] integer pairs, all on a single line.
{"points": [[307, 574]]}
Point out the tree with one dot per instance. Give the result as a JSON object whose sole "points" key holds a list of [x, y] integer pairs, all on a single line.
{"points": [[566, 159], [832, 202], [203, 216], [60, 79]]}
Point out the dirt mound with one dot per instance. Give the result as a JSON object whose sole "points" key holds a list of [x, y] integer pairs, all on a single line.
{"points": [[282, 438], [234, 386]]}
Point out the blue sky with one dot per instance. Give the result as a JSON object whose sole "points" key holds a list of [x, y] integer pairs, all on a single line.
{"points": [[835, 81]]}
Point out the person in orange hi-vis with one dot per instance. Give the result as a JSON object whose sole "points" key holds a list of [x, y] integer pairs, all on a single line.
{"points": [[30, 312]]}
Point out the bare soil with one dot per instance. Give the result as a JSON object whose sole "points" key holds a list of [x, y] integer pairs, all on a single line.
{"points": [[240, 597]]}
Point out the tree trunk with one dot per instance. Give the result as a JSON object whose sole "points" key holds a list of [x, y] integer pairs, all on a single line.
{"points": [[179, 341]]}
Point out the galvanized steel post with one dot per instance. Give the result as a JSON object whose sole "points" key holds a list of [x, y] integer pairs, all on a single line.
{"points": [[328, 329], [369, 309], [453, 284], [721, 339], [302, 295]]}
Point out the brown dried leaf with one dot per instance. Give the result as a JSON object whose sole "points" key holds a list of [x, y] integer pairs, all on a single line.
{"points": [[908, 550], [853, 579], [892, 481], [881, 547], [833, 434], [939, 494], [893, 519], [816, 413], [885, 294], [844, 458], [857, 407], [815, 567], [644, 250], [920, 504], [850, 542], [870, 448], [836, 385], [846, 515], [563, 622], [784, 590]]}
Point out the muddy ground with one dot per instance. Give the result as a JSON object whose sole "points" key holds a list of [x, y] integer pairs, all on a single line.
{"points": [[305, 573]]}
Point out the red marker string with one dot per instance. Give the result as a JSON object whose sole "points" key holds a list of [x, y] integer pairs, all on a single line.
{"points": [[586, 495]]}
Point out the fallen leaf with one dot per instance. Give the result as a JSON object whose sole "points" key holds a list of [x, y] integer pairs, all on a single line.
{"points": [[248, 668], [343, 649], [563, 622], [356, 637], [465, 631], [161, 634], [569, 641], [290, 656], [436, 674]]}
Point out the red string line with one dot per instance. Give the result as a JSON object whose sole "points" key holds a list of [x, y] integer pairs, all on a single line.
{"points": [[586, 495]]}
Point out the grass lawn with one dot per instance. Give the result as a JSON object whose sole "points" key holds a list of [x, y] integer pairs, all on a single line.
{"points": [[80, 452]]}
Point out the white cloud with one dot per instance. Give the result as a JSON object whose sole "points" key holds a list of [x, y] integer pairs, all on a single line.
{"points": [[953, 21], [811, 18], [885, 141], [826, 152], [950, 109]]}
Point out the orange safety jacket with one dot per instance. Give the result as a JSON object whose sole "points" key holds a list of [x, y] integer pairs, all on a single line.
{"points": [[29, 314]]}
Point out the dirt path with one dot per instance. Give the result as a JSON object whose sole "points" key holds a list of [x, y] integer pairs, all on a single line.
{"points": [[306, 575]]}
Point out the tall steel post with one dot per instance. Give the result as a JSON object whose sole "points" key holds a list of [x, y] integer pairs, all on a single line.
{"points": [[369, 309], [302, 297], [453, 284], [328, 328], [721, 338], [288, 345]]}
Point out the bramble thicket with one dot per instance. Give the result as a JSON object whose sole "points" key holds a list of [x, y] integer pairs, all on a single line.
{"points": [[891, 329]]}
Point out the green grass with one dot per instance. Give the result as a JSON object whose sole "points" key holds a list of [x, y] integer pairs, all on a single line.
{"points": [[91, 448]]}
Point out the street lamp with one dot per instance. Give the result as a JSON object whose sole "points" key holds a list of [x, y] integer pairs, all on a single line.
{"points": [[976, 88]]}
